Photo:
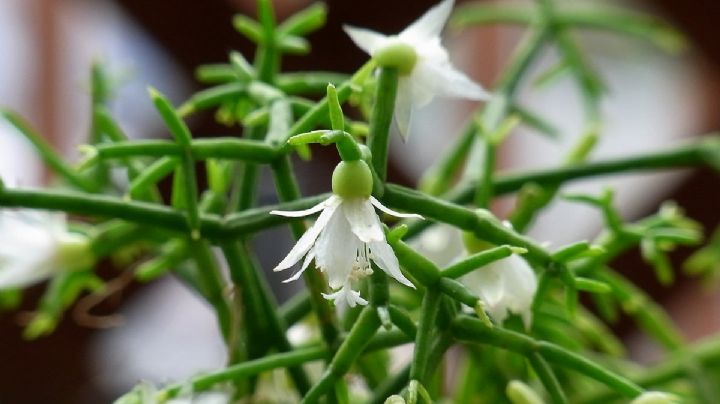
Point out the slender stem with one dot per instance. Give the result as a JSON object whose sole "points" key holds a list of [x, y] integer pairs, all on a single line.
{"points": [[380, 119], [250, 368], [485, 226], [691, 155], [484, 191], [548, 378], [470, 329], [49, 156], [438, 178], [424, 335], [212, 284], [261, 308], [201, 149], [364, 328]]}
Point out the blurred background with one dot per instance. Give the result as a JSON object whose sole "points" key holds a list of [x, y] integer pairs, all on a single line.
{"points": [[654, 99]]}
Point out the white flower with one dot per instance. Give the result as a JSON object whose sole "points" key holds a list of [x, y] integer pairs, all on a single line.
{"points": [[34, 245], [344, 239], [506, 285], [422, 61]]}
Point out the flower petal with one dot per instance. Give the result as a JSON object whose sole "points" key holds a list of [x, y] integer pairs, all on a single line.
{"points": [[403, 108], [430, 24], [346, 296], [306, 241], [336, 250], [365, 39], [307, 212], [363, 220], [450, 82], [306, 263], [384, 256], [391, 212], [21, 275]]}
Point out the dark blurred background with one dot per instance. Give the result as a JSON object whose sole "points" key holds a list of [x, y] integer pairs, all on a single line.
{"points": [[47, 46]]}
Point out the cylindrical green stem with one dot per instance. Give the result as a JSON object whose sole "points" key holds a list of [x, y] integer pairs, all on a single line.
{"points": [[364, 328], [424, 335], [380, 119]]}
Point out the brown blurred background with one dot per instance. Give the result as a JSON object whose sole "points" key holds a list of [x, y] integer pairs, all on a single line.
{"points": [[46, 47]]}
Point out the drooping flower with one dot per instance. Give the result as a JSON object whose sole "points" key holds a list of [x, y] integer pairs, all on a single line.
{"points": [[422, 62], [346, 236], [505, 286], [35, 244]]}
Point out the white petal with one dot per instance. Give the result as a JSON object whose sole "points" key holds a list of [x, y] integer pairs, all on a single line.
{"points": [[506, 285], [403, 108], [308, 258], [490, 282], [366, 39], [336, 250], [346, 296], [307, 212], [307, 239], [450, 82], [363, 220], [424, 85], [21, 275], [430, 24], [391, 212], [384, 256]]}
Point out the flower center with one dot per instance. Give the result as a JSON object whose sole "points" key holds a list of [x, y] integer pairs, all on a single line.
{"points": [[398, 55], [73, 252], [352, 179]]}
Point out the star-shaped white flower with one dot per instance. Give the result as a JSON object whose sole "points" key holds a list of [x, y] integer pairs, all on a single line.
{"points": [[34, 245], [346, 236], [505, 286], [424, 65]]}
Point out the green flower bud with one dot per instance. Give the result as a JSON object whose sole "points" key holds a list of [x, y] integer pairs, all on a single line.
{"points": [[73, 252], [398, 55], [520, 393], [395, 399], [474, 245], [352, 179]]}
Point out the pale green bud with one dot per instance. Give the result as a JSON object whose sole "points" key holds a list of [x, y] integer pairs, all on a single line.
{"points": [[352, 179], [520, 393], [398, 55], [73, 252]]}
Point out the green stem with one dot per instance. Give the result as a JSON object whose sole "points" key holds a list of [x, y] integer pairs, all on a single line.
{"points": [[548, 378], [48, 155], [482, 223], [362, 331], [484, 191], [424, 335], [250, 368], [380, 119], [261, 308], [473, 330], [200, 149], [212, 284], [438, 178]]}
